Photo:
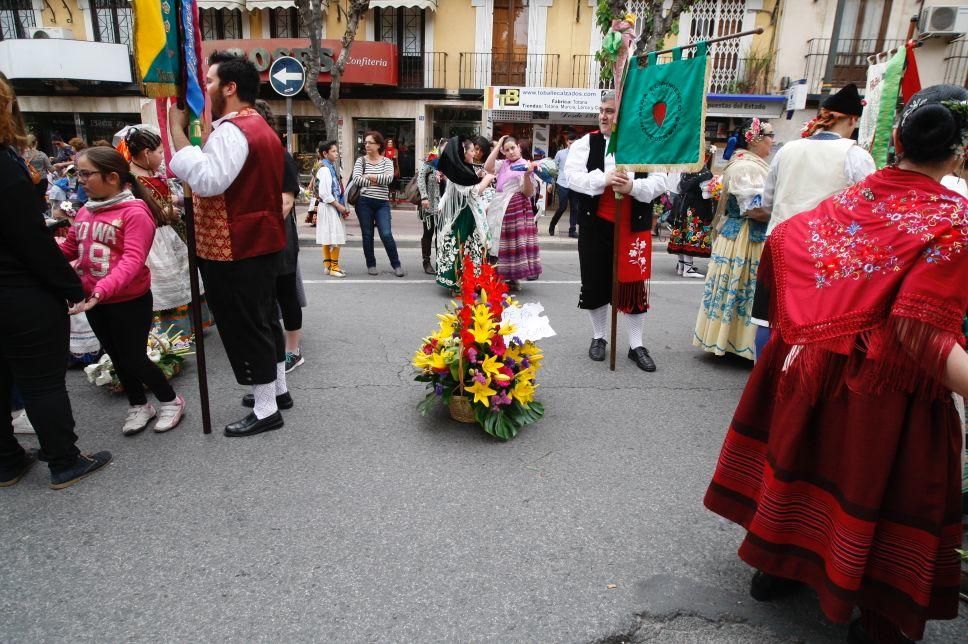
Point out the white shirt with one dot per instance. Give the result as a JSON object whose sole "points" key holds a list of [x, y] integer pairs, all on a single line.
{"points": [[593, 183], [957, 184], [858, 164], [324, 185], [561, 159], [210, 171]]}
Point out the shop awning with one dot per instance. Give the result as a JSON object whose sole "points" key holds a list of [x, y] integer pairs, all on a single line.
{"points": [[430, 5], [222, 4], [254, 5]]}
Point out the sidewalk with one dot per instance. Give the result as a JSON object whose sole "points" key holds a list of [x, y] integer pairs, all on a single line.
{"points": [[407, 229]]}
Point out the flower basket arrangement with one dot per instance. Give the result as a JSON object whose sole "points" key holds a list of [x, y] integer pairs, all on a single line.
{"points": [[167, 350], [482, 361]]}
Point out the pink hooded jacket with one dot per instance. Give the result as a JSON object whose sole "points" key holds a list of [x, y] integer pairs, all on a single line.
{"points": [[111, 246]]}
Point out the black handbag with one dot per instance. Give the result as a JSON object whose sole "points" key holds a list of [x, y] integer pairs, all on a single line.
{"points": [[352, 193]]}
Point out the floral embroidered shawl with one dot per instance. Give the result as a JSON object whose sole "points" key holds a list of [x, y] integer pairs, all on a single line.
{"points": [[882, 267]]}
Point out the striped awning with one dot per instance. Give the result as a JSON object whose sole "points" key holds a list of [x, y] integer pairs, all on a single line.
{"points": [[255, 5], [222, 4], [430, 5]]}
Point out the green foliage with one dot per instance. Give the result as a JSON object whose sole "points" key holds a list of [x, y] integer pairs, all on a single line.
{"points": [[506, 425]]}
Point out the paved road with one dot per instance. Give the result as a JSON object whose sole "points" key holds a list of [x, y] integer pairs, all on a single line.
{"points": [[361, 521]]}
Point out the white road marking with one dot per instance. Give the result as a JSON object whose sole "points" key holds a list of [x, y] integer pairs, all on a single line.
{"points": [[691, 282]]}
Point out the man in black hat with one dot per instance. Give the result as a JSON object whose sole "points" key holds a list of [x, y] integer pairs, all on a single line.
{"points": [[805, 172]]}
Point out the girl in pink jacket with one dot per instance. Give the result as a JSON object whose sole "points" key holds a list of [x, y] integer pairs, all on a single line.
{"points": [[110, 240]]}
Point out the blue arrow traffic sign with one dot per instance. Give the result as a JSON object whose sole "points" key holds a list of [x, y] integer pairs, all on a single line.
{"points": [[287, 76]]}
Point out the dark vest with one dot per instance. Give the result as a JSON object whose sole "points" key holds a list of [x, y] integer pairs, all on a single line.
{"points": [[588, 204]]}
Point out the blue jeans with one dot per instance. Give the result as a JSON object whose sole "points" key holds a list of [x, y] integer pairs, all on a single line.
{"points": [[376, 213]]}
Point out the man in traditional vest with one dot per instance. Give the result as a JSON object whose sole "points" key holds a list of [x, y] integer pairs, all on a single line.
{"points": [[806, 171], [237, 183], [604, 195]]}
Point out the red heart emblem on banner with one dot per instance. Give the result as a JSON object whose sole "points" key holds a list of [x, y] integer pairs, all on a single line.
{"points": [[659, 113]]}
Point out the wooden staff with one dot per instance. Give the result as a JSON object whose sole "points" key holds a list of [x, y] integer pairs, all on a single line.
{"points": [[618, 196], [196, 305]]}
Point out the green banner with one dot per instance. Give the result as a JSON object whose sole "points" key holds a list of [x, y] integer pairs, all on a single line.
{"points": [[662, 116], [890, 89]]}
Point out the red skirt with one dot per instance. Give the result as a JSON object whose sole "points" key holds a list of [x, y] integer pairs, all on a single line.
{"points": [[857, 496]]}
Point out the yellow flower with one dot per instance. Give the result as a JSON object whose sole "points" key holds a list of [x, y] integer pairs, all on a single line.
{"points": [[631, 18], [438, 361], [447, 323], [523, 391], [525, 374], [481, 390], [492, 369], [482, 314], [507, 329], [513, 353], [421, 360]]}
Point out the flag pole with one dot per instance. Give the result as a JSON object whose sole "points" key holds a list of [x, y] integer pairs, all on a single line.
{"points": [[194, 135], [618, 214]]}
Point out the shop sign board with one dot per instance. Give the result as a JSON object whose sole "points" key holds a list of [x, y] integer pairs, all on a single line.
{"points": [[745, 106], [370, 63], [545, 99]]}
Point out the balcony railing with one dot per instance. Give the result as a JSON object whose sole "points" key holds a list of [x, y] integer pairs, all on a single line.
{"points": [[586, 73], [480, 69], [850, 64], [956, 63], [426, 70]]}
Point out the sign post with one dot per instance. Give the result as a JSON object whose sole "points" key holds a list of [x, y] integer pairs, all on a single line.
{"points": [[287, 77]]}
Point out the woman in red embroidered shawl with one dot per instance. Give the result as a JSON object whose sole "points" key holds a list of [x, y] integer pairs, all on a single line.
{"points": [[843, 457]]}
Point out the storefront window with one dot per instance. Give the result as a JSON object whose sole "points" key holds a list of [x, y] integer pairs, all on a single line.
{"points": [[455, 121]]}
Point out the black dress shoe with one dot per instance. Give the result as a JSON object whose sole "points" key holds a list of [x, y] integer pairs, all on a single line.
{"points": [[765, 587], [10, 475], [642, 358], [251, 425], [573, 234], [283, 401], [551, 230], [597, 351]]}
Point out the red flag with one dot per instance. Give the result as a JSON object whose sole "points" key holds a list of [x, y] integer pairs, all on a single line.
{"points": [[911, 81]]}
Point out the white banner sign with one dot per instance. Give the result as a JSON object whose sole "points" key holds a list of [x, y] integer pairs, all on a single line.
{"points": [[543, 99], [872, 94]]}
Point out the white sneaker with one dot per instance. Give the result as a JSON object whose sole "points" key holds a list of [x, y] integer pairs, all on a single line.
{"points": [[170, 414], [21, 424], [690, 271], [137, 419]]}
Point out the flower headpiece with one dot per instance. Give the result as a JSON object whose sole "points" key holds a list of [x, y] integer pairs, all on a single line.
{"points": [[754, 131]]}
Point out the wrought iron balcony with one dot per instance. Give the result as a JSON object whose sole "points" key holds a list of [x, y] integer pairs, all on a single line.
{"points": [[850, 63], [480, 69], [956, 63], [425, 70], [586, 73]]}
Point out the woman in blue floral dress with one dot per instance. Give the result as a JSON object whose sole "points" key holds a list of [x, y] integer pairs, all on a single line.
{"points": [[723, 324]]}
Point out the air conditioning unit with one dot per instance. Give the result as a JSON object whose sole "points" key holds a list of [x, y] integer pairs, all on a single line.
{"points": [[949, 20], [52, 32]]}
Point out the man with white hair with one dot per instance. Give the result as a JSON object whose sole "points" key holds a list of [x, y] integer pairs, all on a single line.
{"points": [[603, 196]]}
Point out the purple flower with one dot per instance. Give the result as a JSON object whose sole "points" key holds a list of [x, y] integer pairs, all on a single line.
{"points": [[438, 389], [472, 354]]}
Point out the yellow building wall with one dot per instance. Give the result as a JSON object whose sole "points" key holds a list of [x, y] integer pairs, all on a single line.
{"points": [[569, 38], [454, 29], [255, 23], [62, 15]]}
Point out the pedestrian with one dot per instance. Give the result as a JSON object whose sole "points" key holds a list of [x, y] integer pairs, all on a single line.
{"points": [[39, 166], [430, 183], [723, 323], [391, 152], [109, 242], [692, 217], [374, 172], [36, 285], [290, 292], [805, 172], [462, 227], [510, 216], [331, 209], [168, 258], [237, 183], [597, 186], [843, 459], [564, 194]]}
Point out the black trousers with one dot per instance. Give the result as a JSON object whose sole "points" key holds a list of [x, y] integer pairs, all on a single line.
{"points": [[427, 240], [287, 295], [34, 336], [122, 329], [566, 199], [595, 257], [242, 298]]}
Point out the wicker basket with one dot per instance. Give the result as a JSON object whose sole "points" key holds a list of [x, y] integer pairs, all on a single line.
{"points": [[461, 409]]}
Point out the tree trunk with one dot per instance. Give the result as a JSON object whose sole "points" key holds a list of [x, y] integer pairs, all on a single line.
{"points": [[311, 11], [655, 26]]}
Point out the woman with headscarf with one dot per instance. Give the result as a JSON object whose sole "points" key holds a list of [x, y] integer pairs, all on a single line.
{"points": [[462, 221], [843, 458], [723, 324], [692, 217]]}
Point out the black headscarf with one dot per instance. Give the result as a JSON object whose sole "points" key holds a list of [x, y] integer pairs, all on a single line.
{"points": [[453, 166]]}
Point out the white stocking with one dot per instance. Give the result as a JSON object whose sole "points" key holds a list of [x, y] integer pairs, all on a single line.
{"points": [[634, 323], [599, 318], [280, 383], [265, 400]]}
